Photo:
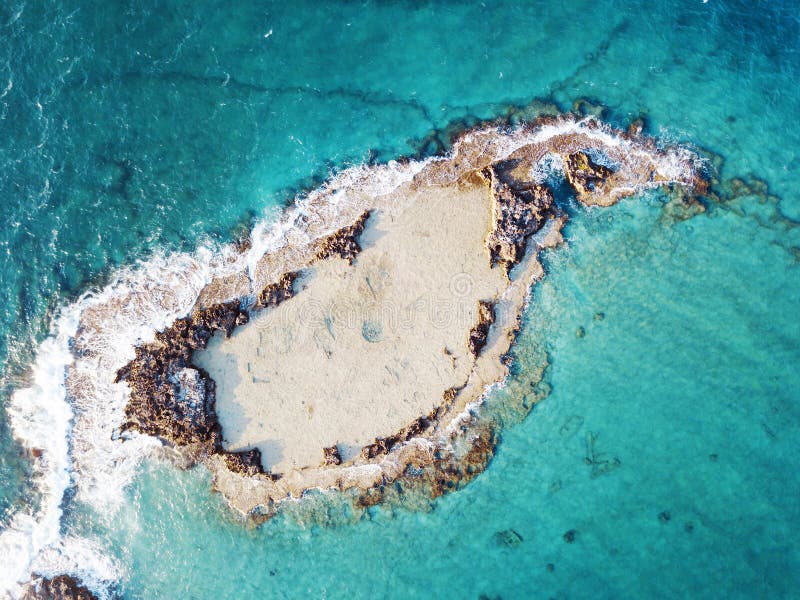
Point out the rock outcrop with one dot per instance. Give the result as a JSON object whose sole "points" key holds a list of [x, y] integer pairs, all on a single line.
{"points": [[520, 209], [172, 398], [585, 175], [61, 587], [479, 333], [275, 293], [332, 456], [448, 471], [247, 462], [344, 242]]}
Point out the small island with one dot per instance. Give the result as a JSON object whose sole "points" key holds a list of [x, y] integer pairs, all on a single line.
{"points": [[356, 348]]}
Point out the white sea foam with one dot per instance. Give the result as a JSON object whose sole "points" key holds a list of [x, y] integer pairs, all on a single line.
{"points": [[40, 419], [72, 413], [83, 558]]}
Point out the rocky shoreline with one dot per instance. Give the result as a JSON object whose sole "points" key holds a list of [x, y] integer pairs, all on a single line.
{"points": [[173, 399]]}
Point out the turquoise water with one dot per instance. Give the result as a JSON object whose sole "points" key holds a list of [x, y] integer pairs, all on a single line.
{"points": [[132, 131]]}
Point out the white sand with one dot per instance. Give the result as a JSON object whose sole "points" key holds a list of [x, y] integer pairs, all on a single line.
{"points": [[362, 350]]}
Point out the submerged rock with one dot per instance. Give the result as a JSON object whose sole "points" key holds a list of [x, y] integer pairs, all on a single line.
{"points": [[508, 538]]}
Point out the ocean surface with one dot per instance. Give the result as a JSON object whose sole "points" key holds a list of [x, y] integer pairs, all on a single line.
{"points": [[665, 461]]}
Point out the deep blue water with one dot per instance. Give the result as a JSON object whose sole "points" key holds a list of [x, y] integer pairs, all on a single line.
{"points": [[128, 130]]}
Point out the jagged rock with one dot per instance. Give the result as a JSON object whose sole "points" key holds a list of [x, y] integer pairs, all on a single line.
{"points": [[449, 396], [247, 462], [275, 293], [380, 446], [344, 242], [479, 333], [519, 210], [584, 174], [417, 427], [190, 388], [61, 587], [332, 456]]}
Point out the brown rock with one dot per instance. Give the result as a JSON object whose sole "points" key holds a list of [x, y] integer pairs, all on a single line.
{"points": [[583, 174], [519, 210], [479, 333], [171, 398], [61, 587], [448, 472], [344, 242], [247, 462], [380, 446], [275, 293], [332, 456], [636, 127]]}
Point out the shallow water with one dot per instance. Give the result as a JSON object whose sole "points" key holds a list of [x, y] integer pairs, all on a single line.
{"points": [[128, 132]]}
